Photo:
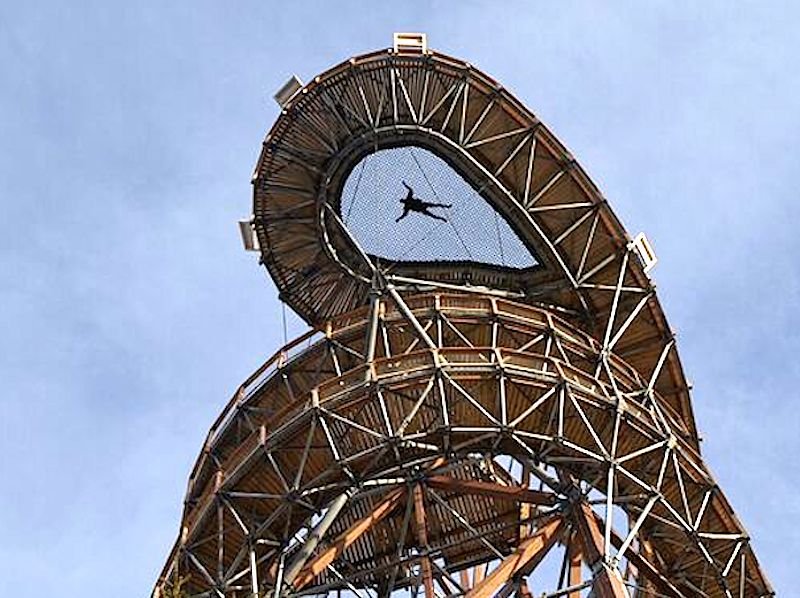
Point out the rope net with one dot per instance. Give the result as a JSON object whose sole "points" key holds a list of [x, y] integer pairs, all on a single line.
{"points": [[449, 221]]}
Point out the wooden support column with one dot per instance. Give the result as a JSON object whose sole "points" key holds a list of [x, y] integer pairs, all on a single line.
{"points": [[422, 540], [525, 508], [606, 582], [644, 566], [464, 578], [478, 573], [575, 568], [527, 555]]}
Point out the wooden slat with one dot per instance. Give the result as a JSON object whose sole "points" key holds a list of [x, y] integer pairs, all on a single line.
{"points": [[480, 488]]}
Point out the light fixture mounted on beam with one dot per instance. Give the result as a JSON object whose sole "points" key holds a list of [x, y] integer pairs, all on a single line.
{"points": [[645, 252], [249, 237], [288, 91]]}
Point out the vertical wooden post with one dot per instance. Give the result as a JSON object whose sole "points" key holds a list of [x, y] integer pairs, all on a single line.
{"points": [[422, 540], [465, 583], [478, 574], [575, 566], [525, 508]]}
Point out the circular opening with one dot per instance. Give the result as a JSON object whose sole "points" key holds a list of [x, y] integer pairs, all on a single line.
{"points": [[406, 204]]}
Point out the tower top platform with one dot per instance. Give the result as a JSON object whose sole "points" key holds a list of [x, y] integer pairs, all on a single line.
{"points": [[514, 214]]}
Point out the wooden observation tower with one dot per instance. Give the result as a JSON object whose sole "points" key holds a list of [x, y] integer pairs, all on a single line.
{"points": [[490, 401]]}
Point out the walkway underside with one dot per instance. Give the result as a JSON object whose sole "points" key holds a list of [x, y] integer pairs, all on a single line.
{"points": [[463, 446]]}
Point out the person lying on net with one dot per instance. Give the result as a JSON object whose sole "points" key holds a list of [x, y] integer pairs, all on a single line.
{"points": [[415, 204]]}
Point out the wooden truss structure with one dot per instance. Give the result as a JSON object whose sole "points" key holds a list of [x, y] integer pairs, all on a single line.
{"points": [[454, 429]]}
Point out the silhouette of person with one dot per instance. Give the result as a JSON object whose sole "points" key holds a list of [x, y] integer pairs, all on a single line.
{"points": [[415, 204]]}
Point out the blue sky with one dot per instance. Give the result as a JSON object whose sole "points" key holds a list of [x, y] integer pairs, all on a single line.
{"points": [[129, 312]]}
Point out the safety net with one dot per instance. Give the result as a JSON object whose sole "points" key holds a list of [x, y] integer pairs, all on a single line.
{"points": [[406, 204]]}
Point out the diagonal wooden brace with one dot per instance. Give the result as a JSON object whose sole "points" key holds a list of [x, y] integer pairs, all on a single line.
{"points": [[318, 564], [527, 555], [647, 569]]}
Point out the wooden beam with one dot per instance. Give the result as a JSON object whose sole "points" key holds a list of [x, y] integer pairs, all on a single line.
{"points": [[422, 540], [525, 508], [480, 488], [318, 564], [575, 568], [465, 582], [643, 565], [586, 524], [527, 555], [605, 583], [478, 573], [648, 570]]}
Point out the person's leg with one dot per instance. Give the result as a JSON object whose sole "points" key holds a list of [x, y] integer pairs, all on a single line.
{"points": [[434, 216], [439, 205]]}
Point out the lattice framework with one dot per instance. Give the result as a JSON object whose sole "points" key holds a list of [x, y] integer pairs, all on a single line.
{"points": [[443, 391], [454, 429]]}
